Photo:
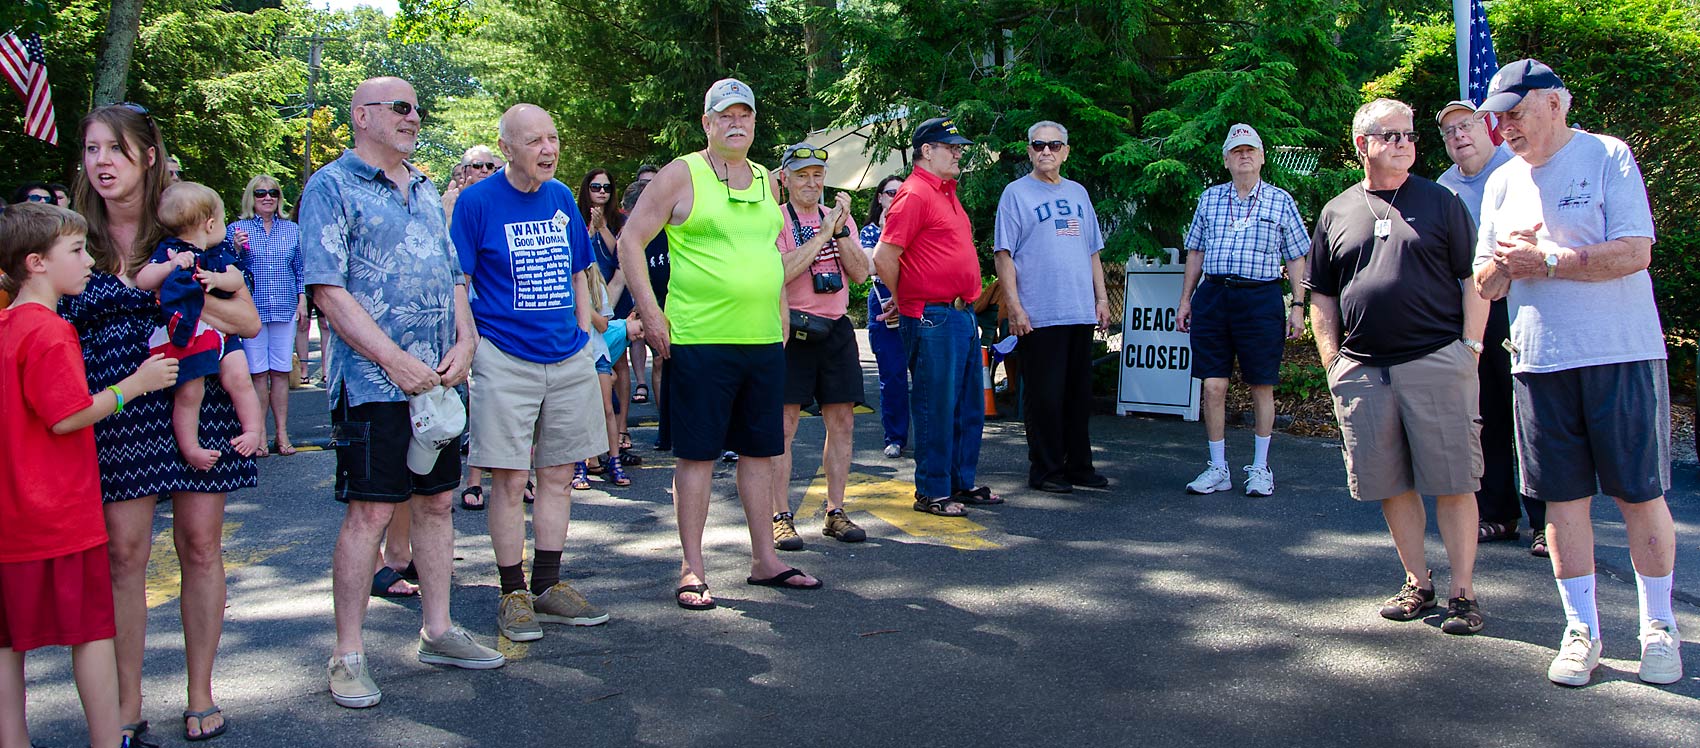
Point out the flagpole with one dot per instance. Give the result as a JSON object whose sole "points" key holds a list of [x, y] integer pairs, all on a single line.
{"points": [[1461, 40]]}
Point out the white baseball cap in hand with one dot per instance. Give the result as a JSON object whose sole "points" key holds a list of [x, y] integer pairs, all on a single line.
{"points": [[438, 418]]}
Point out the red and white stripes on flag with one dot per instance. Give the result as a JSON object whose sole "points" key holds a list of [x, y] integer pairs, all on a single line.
{"points": [[24, 64]]}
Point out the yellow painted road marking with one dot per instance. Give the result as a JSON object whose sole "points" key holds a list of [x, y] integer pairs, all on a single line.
{"points": [[893, 502], [165, 576], [511, 649]]}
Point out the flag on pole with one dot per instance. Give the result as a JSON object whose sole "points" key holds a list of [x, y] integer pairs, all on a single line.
{"points": [[24, 64], [1477, 63]]}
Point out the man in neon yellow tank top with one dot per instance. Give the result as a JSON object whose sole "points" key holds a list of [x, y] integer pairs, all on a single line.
{"points": [[723, 329]]}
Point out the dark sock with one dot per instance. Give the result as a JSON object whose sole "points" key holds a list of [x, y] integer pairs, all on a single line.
{"points": [[545, 570], [513, 578]]}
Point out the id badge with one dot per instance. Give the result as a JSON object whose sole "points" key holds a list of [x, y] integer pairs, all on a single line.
{"points": [[1383, 228], [1242, 224]]}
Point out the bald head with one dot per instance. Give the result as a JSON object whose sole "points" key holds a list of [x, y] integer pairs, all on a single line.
{"points": [[528, 139], [376, 121]]}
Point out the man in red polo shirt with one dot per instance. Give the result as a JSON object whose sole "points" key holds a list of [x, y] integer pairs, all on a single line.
{"points": [[926, 256]]}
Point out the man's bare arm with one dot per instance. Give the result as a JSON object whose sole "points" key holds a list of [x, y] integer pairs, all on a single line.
{"points": [[1325, 324]]}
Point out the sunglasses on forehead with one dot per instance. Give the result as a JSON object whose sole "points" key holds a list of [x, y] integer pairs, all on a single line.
{"points": [[398, 106], [819, 153], [268, 193]]}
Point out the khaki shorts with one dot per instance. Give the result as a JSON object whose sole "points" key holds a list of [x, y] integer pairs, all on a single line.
{"points": [[527, 415], [1414, 426]]}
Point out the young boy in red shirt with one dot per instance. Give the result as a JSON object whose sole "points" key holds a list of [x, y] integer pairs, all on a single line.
{"points": [[55, 578]]}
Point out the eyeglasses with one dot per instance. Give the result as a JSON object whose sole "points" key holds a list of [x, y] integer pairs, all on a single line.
{"points": [[819, 153], [889, 193], [954, 148], [1394, 136], [268, 193], [485, 165], [398, 106], [730, 197], [1047, 145], [41, 198], [1465, 126], [597, 187]]}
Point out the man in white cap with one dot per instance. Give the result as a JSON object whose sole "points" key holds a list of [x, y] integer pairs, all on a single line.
{"points": [[1567, 235], [724, 329], [1242, 234], [1465, 134]]}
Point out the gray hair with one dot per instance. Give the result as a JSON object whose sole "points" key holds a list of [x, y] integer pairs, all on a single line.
{"points": [[1370, 115], [1033, 132], [1563, 99], [475, 151]]}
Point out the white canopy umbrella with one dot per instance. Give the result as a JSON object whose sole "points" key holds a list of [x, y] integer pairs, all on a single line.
{"points": [[854, 162]]}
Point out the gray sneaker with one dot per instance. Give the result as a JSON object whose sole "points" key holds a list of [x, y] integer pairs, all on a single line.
{"points": [[456, 647], [516, 617], [351, 685], [563, 604]]}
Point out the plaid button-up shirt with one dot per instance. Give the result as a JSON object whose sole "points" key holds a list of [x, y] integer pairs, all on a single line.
{"points": [[1250, 237]]}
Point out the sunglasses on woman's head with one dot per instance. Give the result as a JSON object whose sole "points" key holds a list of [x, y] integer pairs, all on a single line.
{"points": [[398, 106], [268, 193]]}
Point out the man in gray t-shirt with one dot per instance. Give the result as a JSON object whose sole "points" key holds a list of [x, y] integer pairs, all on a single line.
{"points": [[1567, 233], [1047, 243]]}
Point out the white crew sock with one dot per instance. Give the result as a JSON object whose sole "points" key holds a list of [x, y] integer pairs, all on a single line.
{"points": [[1578, 596], [1259, 451], [1655, 598], [1219, 454]]}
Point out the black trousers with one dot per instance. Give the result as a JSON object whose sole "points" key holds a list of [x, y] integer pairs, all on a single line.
{"points": [[1498, 499], [1056, 376]]}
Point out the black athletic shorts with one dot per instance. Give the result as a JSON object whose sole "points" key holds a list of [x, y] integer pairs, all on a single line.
{"points": [[826, 371], [1602, 429], [371, 455], [726, 397]]}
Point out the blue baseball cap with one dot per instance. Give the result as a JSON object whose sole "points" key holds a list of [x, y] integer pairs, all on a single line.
{"points": [[1516, 80]]}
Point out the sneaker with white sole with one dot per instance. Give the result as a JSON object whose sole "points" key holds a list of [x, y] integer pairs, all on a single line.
{"points": [[1214, 478], [1259, 481], [1661, 653], [563, 604], [351, 685], [893, 451], [1577, 657], [456, 647], [516, 617]]}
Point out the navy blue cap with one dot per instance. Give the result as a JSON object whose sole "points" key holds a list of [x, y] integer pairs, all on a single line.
{"points": [[938, 130], [1513, 81]]}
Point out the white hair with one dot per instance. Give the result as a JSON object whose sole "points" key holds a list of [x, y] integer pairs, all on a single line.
{"points": [[1369, 116], [477, 150], [1563, 99], [1033, 132]]}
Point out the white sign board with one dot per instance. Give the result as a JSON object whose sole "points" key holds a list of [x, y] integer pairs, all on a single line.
{"points": [[1156, 360]]}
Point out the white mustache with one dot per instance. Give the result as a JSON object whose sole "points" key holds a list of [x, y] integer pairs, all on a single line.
{"points": [[737, 131]]}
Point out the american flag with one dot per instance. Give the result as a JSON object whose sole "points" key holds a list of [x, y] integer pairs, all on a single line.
{"points": [[24, 64], [1068, 227], [1482, 62]]}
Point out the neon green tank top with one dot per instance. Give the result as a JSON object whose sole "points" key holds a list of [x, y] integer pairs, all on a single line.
{"points": [[727, 277]]}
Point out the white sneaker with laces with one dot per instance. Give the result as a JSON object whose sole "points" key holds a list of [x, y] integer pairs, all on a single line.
{"points": [[1577, 657], [1259, 481], [1661, 653], [1214, 478], [893, 451]]}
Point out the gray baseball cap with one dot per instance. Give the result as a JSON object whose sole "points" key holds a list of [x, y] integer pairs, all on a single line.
{"points": [[1453, 106], [801, 155], [726, 92]]}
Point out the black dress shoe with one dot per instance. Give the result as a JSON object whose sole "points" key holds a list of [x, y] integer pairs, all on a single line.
{"points": [[1093, 480], [1051, 485]]}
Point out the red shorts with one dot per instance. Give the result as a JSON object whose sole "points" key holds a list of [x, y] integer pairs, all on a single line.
{"points": [[56, 601]]}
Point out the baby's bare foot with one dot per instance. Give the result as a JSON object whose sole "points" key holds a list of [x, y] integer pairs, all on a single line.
{"points": [[201, 459]]}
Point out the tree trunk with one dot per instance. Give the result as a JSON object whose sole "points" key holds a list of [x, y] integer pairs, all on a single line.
{"points": [[112, 67]]}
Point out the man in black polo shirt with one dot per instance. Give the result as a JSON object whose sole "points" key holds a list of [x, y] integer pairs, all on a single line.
{"points": [[1400, 340]]}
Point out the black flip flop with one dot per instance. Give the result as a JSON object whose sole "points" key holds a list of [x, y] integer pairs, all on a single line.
{"points": [[937, 506], [640, 394], [384, 580], [472, 491], [530, 493], [701, 591], [981, 496], [778, 580], [202, 716]]}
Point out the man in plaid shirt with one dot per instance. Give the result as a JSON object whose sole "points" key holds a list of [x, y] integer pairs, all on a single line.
{"points": [[1241, 235]]}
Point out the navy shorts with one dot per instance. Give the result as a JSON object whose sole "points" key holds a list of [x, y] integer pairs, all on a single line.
{"points": [[371, 455], [1245, 323], [1602, 429], [726, 397]]}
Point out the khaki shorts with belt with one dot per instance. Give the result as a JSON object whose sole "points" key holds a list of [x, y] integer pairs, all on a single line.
{"points": [[1411, 426], [527, 415]]}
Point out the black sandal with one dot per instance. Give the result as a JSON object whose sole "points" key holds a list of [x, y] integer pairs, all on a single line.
{"points": [[940, 506], [386, 578], [981, 496], [640, 394], [1489, 532], [701, 591], [201, 717], [477, 491], [137, 730], [530, 496], [1539, 546], [779, 580]]}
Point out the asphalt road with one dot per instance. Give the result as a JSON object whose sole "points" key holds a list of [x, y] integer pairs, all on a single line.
{"points": [[1133, 616]]}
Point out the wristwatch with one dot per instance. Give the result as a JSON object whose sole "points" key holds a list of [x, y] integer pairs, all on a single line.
{"points": [[843, 233], [1552, 264], [1474, 345]]}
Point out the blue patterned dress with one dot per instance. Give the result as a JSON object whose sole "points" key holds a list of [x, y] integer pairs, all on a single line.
{"points": [[138, 455]]}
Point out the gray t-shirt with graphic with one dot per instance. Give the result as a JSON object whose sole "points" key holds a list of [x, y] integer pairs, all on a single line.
{"points": [[1051, 232], [1589, 192]]}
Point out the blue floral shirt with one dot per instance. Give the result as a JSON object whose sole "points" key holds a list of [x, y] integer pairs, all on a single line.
{"points": [[394, 258]]}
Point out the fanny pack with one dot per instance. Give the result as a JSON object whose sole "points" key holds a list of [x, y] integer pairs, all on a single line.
{"points": [[809, 328]]}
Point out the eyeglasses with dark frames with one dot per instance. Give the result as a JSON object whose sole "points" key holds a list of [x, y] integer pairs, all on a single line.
{"points": [[1054, 146], [1394, 136], [398, 106], [268, 193]]}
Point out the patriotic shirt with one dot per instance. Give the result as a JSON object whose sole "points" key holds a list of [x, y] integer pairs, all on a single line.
{"points": [[1250, 238], [1051, 232]]}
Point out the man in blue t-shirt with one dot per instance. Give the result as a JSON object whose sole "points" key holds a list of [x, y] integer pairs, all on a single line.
{"points": [[535, 401]]}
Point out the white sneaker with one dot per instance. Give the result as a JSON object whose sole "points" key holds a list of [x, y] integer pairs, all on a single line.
{"points": [[1661, 654], [893, 451], [351, 683], [1259, 481], [1214, 478], [1577, 657]]}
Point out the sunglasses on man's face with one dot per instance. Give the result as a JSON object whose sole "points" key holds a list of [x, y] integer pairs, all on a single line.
{"points": [[41, 198], [485, 165], [601, 187], [268, 193], [398, 106], [1394, 136], [1040, 146]]}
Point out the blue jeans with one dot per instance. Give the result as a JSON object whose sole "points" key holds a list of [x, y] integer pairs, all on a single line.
{"points": [[947, 404], [891, 356]]}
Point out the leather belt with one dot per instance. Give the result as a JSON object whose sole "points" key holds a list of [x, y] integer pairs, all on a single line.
{"points": [[1236, 281]]}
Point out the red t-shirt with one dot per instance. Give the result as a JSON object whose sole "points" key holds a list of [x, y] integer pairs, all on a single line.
{"points": [[938, 263], [49, 483]]}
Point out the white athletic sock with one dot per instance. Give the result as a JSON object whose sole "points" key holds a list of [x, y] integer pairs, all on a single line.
{"points": [[1219, 454], [1259, 451], [1578, 596], [1655, 598]]}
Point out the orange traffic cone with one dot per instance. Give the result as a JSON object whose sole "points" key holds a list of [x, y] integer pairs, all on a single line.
{"points": [[986, 381]]}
